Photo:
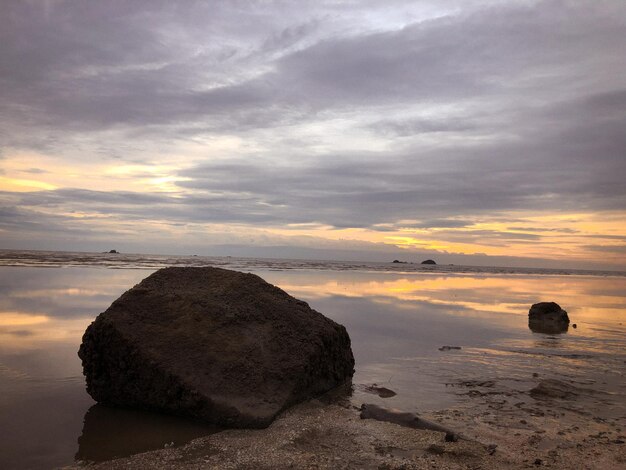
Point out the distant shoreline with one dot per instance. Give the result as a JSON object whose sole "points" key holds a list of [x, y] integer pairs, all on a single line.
{"points": [[120, 260]]}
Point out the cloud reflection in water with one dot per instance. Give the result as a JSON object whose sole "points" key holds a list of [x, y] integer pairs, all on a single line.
{"points": [[397, 323]]}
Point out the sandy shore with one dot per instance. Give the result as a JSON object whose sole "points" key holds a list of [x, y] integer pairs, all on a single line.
{"points": [[559, 425]]}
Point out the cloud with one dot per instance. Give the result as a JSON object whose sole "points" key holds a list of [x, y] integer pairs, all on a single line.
{"points": [[616, 249], [97, 65], [423, 115], [545, 229], [438, 223], [411, 127], [35, 171]]}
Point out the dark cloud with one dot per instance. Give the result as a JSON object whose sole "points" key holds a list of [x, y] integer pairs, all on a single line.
{"points": [[617, 249], [609, 237], [452, 183], [439, 223], [474, 235], [411, 127], [107, 64], [546, 229]]}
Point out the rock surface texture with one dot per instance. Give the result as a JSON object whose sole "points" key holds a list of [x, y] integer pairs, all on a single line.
{"points": [[548, 318], [218, 345]]}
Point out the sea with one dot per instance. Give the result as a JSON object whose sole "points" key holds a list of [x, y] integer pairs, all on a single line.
{"points": [[418, 330]]}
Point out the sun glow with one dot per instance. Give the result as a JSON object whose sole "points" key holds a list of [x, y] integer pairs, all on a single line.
{"points": [[12, 319], [23, 185], [572, 236]]}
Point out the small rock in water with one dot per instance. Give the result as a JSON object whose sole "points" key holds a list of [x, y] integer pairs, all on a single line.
{"points": [[449, 348], [382, 392], [552, 388], [548, 318]]}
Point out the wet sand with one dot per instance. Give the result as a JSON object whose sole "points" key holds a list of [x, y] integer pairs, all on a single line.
{"points": [[502, 427]]}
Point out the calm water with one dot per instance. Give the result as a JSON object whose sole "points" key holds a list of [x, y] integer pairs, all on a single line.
{"points": [[398, 318]]}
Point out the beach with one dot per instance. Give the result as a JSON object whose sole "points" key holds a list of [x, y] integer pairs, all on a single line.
{"points": [[319, 435], [452, 344]]}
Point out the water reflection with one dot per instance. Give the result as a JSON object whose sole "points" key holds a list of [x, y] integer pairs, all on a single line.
{"points": [[110, 433], [547, 327], [588, 299], [43, 315], [397, 323]]}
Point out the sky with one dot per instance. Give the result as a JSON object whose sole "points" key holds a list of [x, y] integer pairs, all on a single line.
{"points": [[467, 131]]}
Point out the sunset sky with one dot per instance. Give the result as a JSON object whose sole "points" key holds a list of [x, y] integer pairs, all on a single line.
{"points": [[468, 131]]}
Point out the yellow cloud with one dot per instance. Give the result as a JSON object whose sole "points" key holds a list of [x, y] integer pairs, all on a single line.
{"points": [[21, 319], [23, 185]]}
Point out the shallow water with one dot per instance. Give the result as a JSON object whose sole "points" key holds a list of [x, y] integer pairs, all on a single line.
{"points": [[397, 322]]}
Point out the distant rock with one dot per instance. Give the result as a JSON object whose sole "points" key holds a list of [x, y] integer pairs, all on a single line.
{"points": [[449, 348], [114, 251], [428, 261], [548, 318], [218, 345], [399, 262]]}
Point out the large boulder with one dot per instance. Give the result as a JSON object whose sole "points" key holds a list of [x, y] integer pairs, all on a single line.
{"points": [[214, 344], [548, 318]]}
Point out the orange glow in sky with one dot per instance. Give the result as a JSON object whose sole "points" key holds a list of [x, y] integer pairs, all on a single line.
{"points": [[573, 236]]}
